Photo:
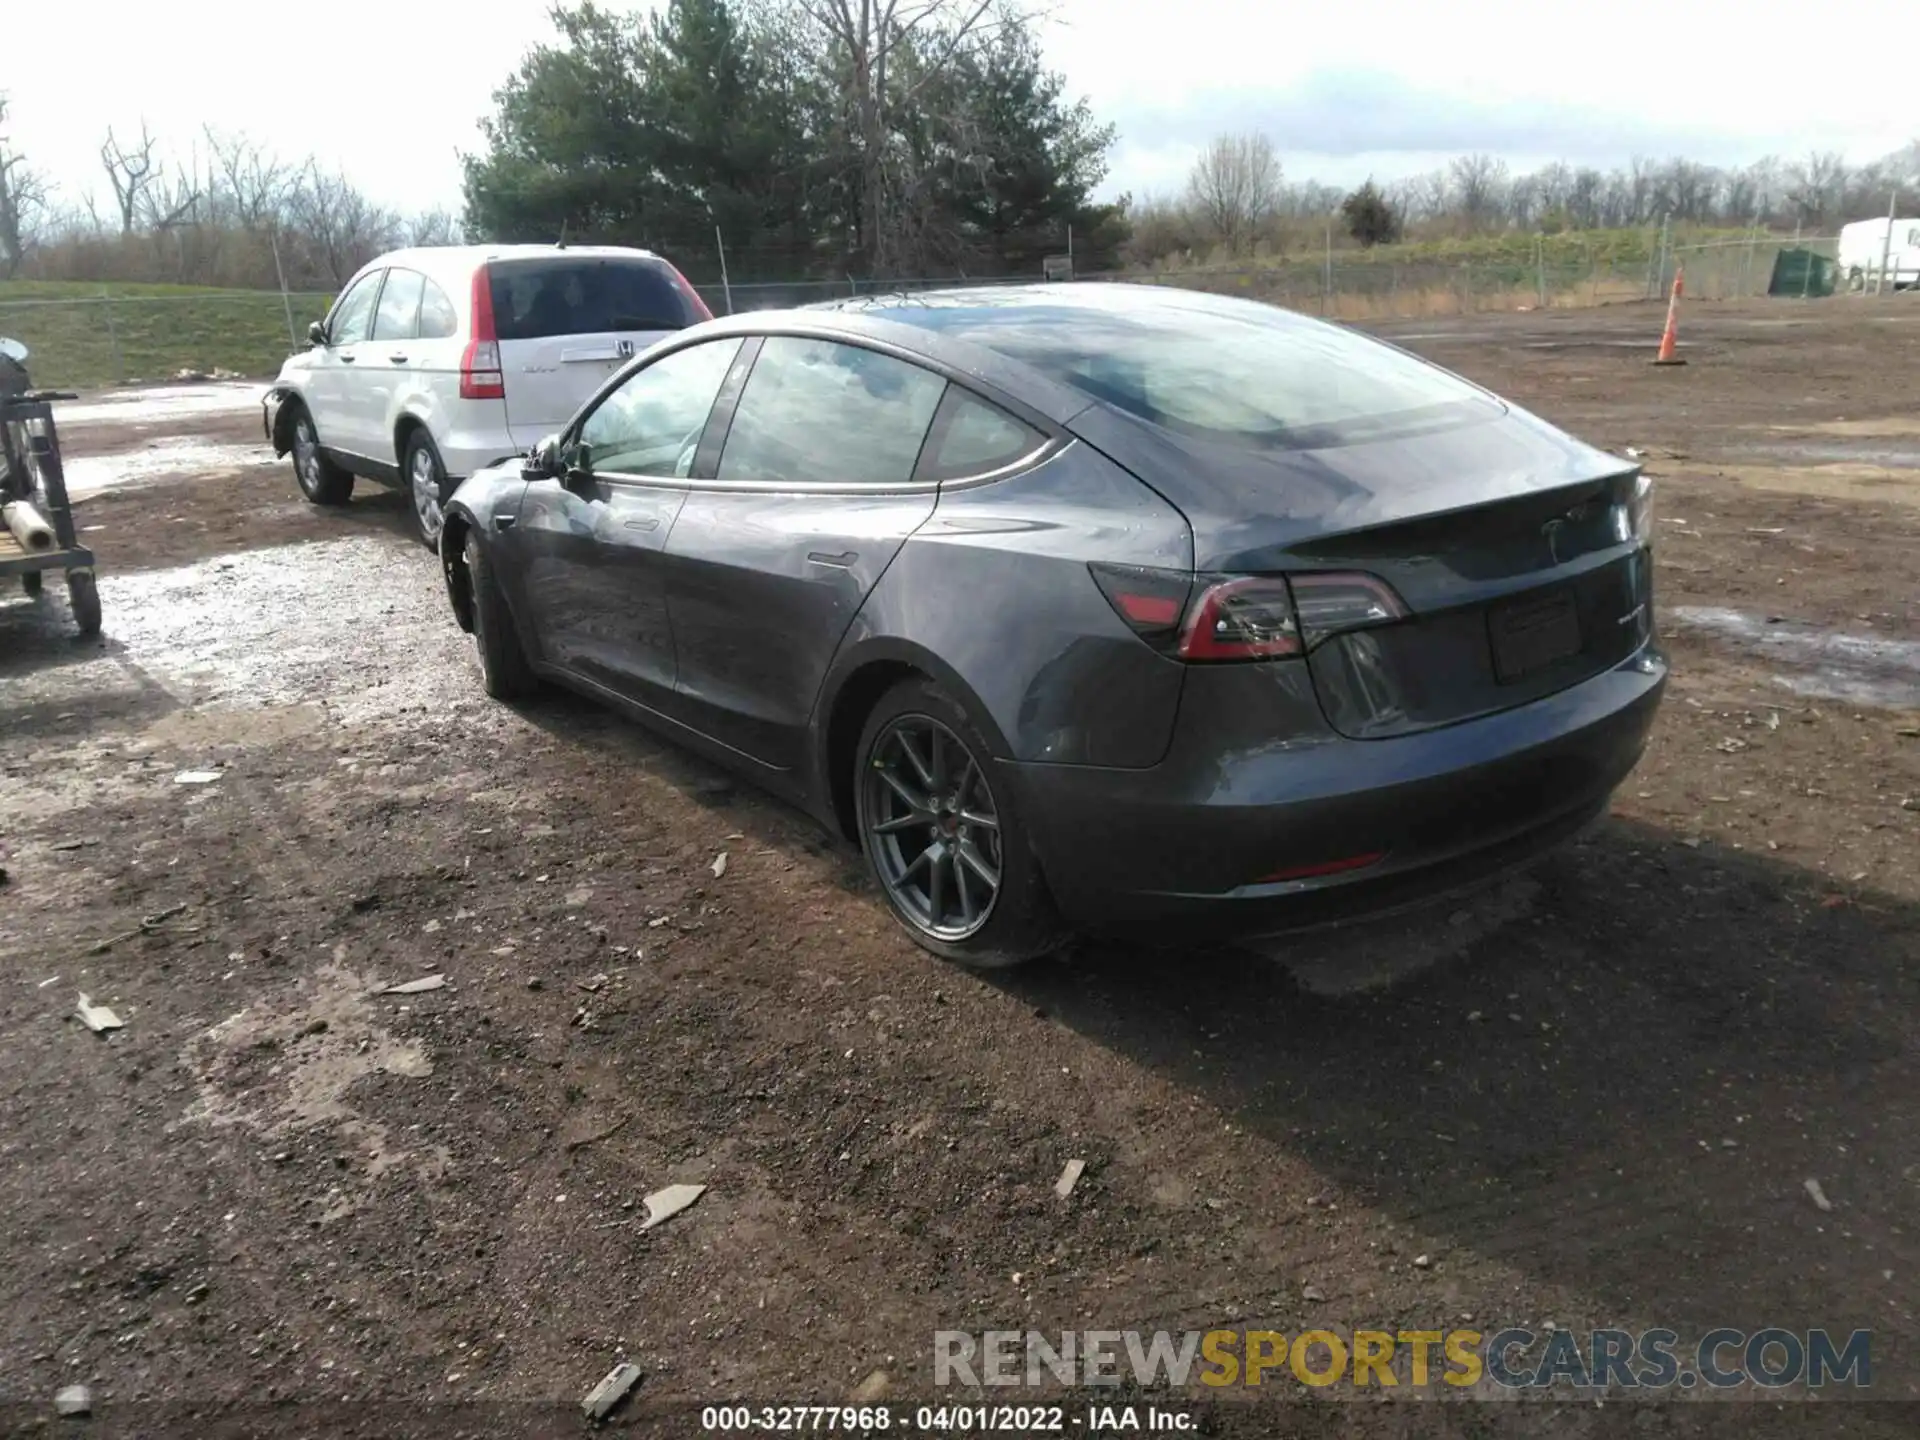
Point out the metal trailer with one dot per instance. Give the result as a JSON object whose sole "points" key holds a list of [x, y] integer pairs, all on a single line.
{"points": [[30, 447]]}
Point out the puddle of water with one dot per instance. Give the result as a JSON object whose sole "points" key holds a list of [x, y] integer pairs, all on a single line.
{"points": [[359, 625], [1870, 429], [90, 474], [162, 402], [1896, 457], [1868, 484], [1860, 669]]}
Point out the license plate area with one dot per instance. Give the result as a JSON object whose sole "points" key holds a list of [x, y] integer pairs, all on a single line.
{"points": [[1532, 633]]}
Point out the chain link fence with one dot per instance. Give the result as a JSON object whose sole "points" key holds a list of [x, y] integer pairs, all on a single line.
{"points": [[1345, 285], [122, 337]]}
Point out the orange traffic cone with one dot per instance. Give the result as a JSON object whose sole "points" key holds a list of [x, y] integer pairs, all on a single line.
{"points": [[1670, 338]]}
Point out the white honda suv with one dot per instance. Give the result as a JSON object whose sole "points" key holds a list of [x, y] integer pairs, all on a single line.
{"points": [[434, 363]]}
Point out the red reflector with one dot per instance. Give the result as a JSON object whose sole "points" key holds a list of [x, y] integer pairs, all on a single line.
{"points": [[1149, 609], [1325, 867]]}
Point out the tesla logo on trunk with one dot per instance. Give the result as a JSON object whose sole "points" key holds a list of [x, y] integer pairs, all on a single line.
{"points": [[624, 348]]}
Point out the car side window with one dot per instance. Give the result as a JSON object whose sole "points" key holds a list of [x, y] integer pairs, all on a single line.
{"points": [[398, 314], [438, 319], [971, 436], [349, 321], [651, 424], [818, 412]]}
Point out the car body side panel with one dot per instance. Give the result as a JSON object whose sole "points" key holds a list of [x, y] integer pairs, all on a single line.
{"points": [[595, 592], [762, 586], [996, 583], [487, 504]]}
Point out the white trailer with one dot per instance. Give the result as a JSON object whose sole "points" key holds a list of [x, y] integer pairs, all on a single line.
{"points": [[1864, 247]]}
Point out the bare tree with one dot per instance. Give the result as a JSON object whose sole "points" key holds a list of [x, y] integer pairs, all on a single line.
{"points": [[1479, 186], [254, 182], [861, 42], [1816, 186], [23, 198], [434, 227], [1235, 188], [341, 227], [130, 172]]}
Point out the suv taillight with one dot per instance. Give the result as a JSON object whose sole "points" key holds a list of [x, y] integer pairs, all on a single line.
{"points": [[480, 374], [689, 294], [1244, 617]]}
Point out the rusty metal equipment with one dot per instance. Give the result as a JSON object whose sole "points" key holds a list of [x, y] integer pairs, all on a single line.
{"points": [[38, 534]]}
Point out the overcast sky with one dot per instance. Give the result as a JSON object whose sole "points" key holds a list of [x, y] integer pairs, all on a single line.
{"points": [[391, 91]]}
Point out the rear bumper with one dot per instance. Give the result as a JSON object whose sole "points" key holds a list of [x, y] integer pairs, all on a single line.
{"points": [[467, 452], [1183, 846]]}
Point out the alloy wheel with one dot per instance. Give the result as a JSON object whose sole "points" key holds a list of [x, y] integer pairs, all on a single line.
{"points": [[423, 481], [932, 828], [306, 454]]}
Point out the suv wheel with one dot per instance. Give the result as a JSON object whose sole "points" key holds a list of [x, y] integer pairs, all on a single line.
{"points": [[426, 487], [320, 480]]}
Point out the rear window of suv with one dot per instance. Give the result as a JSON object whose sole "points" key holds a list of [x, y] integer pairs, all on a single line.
{"points": [[586, 295]]}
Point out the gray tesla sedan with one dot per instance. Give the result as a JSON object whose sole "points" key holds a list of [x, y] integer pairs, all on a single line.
{"points": [[1088, 608]]}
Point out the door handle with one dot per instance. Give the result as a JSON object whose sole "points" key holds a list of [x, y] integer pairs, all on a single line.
{"points": [[648, 522], [398, 359], [346, 359], [843, 561], [503, 522]]}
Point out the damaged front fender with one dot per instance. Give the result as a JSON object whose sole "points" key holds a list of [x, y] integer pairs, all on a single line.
{"points": [[276, 417]]}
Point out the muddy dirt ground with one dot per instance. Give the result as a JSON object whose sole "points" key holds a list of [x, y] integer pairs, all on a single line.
{"points": [[1590, 1096]]}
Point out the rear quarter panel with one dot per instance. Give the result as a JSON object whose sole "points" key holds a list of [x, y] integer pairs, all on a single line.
{"points": [[995, 588]]}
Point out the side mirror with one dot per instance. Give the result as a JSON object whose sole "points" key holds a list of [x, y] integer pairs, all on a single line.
{"points": [[574, 466], [543, 461], [317, 334]]}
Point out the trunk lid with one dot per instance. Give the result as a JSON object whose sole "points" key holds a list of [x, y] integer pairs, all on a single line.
{"points": [[566, 322], [1499, 532]]}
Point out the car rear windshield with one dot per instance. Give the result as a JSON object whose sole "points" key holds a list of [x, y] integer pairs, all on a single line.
{"points": [[585, 295], [1233, 372]]}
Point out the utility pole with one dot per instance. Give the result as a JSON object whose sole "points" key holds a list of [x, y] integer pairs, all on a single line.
{"points": [[1886, 244]]}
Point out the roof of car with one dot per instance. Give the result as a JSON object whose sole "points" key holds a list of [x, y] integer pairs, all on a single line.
{"points": [[904, 321], [442, 258]]}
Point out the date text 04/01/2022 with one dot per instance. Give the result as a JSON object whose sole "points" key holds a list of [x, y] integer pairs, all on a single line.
{"points": [[948, 1419]]}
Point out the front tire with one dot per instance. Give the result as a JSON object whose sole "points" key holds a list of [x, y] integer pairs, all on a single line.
{"points": [[427, 491], [504, 669], [319, 479], [943, 836]]}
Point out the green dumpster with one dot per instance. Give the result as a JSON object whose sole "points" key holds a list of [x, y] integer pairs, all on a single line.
{"points": [[1803, 272]]}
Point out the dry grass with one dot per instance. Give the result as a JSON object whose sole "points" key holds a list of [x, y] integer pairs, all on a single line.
{"points": [[1307, 294]]}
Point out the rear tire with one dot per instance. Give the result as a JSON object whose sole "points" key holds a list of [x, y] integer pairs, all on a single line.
{"points": [[84, 596], [427, 493], [943, 835], [319, 479], [504, 669]]}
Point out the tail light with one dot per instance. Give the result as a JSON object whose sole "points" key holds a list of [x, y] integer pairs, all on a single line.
{"points": [[480, 374], [1249, 617], [1330, 605], [691, 295]]}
